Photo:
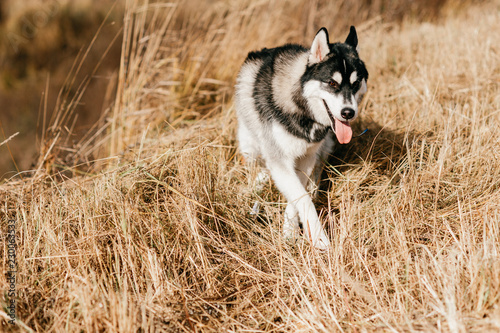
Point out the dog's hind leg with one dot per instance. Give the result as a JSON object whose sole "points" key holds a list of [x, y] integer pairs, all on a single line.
{"points": [[250, 150], [248, 144], [261, 180], [291, 226], [305, 167], [322, 156], [310, 166]]}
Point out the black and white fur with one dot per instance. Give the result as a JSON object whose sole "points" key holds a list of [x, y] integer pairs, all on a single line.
{"points": [[288, 101]]}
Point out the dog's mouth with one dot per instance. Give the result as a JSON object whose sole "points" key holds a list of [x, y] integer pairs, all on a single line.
{"points": [[342, 129]]}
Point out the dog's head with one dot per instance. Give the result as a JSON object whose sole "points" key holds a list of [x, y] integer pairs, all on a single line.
{"points": [[334, 82]]}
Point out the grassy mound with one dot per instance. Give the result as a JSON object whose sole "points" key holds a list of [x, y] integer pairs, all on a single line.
{"points": [[144, 224]]}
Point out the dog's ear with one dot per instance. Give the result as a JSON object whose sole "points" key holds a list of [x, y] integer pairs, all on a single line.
{"points": [[319, 48], [352, 38]]}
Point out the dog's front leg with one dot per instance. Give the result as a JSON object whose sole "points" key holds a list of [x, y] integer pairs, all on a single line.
{"points": [[288, 182]]}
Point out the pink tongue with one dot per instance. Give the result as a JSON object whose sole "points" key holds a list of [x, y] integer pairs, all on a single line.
{"points": [[343, 131]]}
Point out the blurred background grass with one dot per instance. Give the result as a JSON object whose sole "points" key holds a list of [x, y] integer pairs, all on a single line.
{"points": [[41, 43]]}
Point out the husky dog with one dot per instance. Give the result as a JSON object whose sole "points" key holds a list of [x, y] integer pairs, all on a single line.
{"points": [[287, 100]]}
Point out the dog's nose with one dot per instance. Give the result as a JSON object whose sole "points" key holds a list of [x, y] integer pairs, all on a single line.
{"points": [[347, 113]]}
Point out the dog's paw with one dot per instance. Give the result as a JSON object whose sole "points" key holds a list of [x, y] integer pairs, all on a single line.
{"points": [[290, 232], [322, 242], [261, 180]]}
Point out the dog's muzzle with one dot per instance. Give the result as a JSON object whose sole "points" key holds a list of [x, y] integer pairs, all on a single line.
{"points": [[342, 129], [347, 113]]}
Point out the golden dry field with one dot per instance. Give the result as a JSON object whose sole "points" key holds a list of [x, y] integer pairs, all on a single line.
{"points": [[44, 58], [144, 225]]}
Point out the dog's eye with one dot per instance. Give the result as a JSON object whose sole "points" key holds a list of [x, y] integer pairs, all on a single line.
{"points": [[355, 85], [334, 84]]}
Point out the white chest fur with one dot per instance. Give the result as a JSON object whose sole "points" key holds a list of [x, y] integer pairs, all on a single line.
{"points": [[290, 145]]}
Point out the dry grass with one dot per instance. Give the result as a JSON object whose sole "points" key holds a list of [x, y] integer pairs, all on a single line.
{"points": [[159, 236], [45, 55]]}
